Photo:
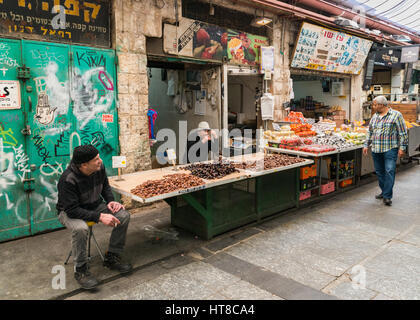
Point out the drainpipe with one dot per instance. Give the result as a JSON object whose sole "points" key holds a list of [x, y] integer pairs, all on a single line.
{"points": [[348, 14]]}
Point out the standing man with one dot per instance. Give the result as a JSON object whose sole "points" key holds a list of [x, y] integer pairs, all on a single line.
{"points": [[84, 195], [389, 139]]}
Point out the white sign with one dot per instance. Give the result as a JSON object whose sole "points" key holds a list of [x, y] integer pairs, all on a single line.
{"points": [[319, 48], [171, 155], [119, 161], [9, 95], [267, 59]]}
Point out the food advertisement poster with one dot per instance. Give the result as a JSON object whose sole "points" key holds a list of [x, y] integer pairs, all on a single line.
{"points": [[205, 41], [323, 49]]}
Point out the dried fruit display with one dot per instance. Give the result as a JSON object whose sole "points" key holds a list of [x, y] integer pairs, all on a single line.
{"points": [[210, 171], [270, 162], [169, 183]]}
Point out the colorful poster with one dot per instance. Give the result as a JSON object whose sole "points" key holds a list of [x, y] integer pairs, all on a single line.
{"points": [[205, 41], [319, 48], [244, 48]]}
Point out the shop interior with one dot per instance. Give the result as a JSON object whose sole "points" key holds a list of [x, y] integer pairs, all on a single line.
{"points": [[180, 97], [319, 96]]}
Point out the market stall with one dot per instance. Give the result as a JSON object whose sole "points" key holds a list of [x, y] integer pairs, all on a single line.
{"points": [[208, 207]]}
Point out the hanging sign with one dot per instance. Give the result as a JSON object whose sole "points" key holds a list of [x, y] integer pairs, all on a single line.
{"points": [[323, 49], [409, 54], [9, 95], [267, 59], [201, 40], [388, 57], [81, 22]]}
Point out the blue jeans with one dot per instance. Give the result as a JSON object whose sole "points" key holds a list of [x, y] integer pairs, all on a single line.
{"points": [[385, 164]]}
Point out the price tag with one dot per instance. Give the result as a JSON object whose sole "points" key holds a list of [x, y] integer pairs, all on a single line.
{"points": [[276, 127], [171, 155], [119, 161], [263, 143]]}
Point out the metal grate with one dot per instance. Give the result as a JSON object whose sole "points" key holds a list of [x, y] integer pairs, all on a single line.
{"points": [[223, 17]]}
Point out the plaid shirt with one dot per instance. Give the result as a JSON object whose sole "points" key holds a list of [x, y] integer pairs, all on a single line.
{"points": [[387, 132]]}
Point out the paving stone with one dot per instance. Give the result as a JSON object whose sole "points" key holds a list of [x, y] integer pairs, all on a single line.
{"points": [[207, 275], [176, 261], [395, 265], [243, 290], [270, 281], [182, 287], [381, 296], [147, 291], [216, 296], [225, 242], [104, 291], [413, 236], [408, 249], [394, 288], [306, 275], [346, 291]]}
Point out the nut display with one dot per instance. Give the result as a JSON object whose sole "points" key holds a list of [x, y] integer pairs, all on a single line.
{"points": [[169, 183], [334, 140], [270, 162], [211, 170]]}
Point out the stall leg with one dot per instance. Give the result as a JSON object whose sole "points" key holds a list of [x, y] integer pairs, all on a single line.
{"points": [[206, 212]]}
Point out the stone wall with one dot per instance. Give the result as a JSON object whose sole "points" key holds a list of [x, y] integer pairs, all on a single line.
{"points": [[133, 21]]}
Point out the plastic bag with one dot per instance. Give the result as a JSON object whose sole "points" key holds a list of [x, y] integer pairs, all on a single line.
{"points": [[156, 234]]}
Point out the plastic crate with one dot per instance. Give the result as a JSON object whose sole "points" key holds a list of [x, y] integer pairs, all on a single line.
{"points": [[305, 195], [327, 187], [308, 183], [313, 168], [308, 172], [346, 183]]}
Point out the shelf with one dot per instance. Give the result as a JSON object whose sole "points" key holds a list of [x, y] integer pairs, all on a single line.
{"points": [[351, 177], [313, 188]]}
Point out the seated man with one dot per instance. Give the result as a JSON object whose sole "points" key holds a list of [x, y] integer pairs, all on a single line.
{"points": [[82, 189], [205, 140]]}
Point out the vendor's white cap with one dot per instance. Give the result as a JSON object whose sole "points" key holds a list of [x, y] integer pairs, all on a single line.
{"points": [[203, 125]]}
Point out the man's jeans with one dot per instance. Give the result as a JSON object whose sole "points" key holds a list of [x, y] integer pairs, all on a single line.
{"points": [[385, 164], [80, 230]]}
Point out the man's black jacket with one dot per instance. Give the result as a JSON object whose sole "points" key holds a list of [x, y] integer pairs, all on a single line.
{"points": [[79, 195]]}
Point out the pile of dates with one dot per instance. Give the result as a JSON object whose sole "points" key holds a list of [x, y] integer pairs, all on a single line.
{"points": [[210, 171], [270, 162], [169, 183]]}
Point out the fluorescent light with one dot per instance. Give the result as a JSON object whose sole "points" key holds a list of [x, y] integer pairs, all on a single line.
{"points": [[401, 37], [261, 21]]}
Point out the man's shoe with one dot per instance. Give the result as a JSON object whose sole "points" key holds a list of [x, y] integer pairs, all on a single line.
{"points": [[85, 278], [113, 262], [387, 202], [379, 196]]}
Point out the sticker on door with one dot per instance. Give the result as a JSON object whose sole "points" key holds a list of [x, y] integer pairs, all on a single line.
{"points": [[9, 95]]}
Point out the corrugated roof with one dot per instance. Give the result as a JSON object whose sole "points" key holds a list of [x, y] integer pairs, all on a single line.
{"points": [[402, 13]]}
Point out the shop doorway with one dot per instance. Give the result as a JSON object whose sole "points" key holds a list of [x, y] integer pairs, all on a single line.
{"points": [[181, 95], [320, 96], [243, 90]]}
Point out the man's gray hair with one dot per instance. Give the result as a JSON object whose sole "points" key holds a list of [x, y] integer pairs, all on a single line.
{"points": [[381, 100]]}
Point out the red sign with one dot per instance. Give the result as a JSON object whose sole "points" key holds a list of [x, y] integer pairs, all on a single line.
{"points": [[108, 118]]}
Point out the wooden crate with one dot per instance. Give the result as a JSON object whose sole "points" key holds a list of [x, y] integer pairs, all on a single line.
{"points": [[408, 110]]}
